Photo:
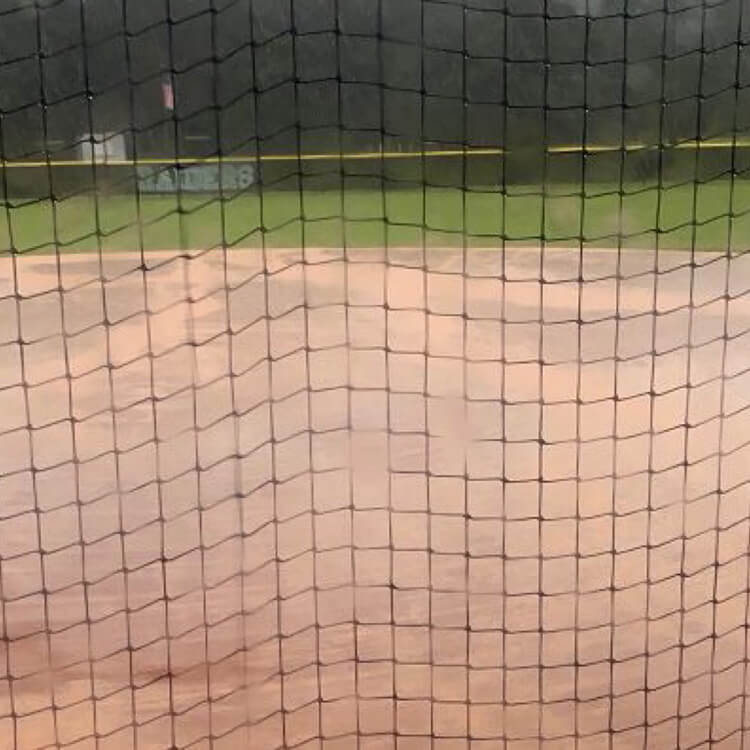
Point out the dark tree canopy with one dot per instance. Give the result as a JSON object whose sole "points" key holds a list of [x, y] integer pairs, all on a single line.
{"points": [[505, 73]]}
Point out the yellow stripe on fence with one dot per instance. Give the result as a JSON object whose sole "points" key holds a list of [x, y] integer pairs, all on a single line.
{"points": [[369, 155]]}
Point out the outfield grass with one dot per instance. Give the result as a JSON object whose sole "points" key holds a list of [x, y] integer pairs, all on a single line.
{"points": [[436, 216]]}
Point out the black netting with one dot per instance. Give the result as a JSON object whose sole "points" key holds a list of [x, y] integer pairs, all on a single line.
{"points": [[374, 373]]}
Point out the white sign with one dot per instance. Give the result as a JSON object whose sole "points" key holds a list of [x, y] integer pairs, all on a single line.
{"points": [[102, 148], [203, 178]]}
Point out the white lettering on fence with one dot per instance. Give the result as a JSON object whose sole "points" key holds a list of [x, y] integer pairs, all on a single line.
{"points": [[203, 178]]}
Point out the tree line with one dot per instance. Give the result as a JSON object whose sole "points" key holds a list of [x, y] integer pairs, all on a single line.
{"points": [[313, 75]]}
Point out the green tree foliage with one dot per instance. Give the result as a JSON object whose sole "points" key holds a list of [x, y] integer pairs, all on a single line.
{"points": [[404, 72]]}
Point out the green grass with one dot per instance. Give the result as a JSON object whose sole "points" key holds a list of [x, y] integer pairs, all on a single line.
{"points": [[361, 218]]}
